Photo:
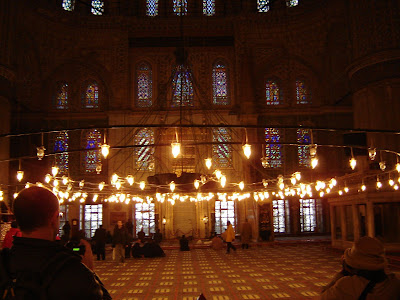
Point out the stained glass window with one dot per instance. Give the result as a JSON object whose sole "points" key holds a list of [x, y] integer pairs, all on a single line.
{"points": [[61, 159], [144, 85], [301, 92], [92, 157], [97, 7], [272, 93], [145, 155], [224, 212], [220, 84], [209, 7], [280, 215], [292, 3], [152, 8], [273, 150], [180, 7], [145, 217], [92, 216], [68, 5], [263, 5], [222, 152], [62, 96], [90, 98], [182, 87], [303, 152]]}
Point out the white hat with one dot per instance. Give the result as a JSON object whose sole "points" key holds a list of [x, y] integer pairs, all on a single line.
{"points": [[366, 254]]}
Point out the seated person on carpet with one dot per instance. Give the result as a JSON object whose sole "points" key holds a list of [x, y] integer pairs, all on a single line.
{"points": [[151, 249], [184, 243], [137, 251], [363, 275], [217, 243]]}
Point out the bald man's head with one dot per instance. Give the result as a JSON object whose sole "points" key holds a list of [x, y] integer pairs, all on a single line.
{"points": [[34, 208]]}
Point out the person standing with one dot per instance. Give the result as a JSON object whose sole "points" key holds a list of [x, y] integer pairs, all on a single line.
{"points": [[100, 242], [14, 231], [36, 252], [246, 234], [229, 237], [119, 242], [157, 236], [363, 274], [184, 243], [66, 231]]}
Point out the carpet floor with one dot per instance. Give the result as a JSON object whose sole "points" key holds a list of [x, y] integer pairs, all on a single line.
{"points": [[267, 272]]}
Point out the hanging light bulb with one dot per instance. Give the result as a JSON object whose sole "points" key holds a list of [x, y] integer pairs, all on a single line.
{"points": [[218, 174], [54, 171], [118, 185], [95, 196], [297, 175], [40, 152], [142, 185], [223, 180], [378, 183], [313, 150], [247, 150], [241, 185], [65, 180], [82, 183], [372, 153], [176, 149], [196, 184], [101, 185], [20, 175], [391, 182], [47, 178], [130, 179], [264, 162], [398, 167], [363, 187], [208, 162], [105, 150], [55, 182], [99, 166], [314, 162], [114, 178], [396, 187], [265, 183], [172, 186], [382, 165], [353, 163], [293, 180], [346, 189]]}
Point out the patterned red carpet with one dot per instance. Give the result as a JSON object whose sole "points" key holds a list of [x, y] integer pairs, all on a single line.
{"points": [[267, 272]]}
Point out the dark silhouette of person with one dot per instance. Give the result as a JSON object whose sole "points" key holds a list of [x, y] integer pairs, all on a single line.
{"points": [[100, 242], [66, 231], [184, 243], [141, 235], [129, 226], [137, 251], [157, 236]]}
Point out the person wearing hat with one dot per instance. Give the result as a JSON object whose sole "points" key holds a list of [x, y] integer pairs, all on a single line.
{"points": [[363, 275]]}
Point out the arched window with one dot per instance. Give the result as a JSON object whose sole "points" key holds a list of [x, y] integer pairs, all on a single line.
{"points": [[97, 7], [273, 150], [180, 7], [92, 140], [263, 5], [209, 7], [144, 155], [62, 96], [61, 159], [90, 98], [220, 84], [144, 85], [152, 8], [292, 3], [222, 152], [302, 93], [68, 5], [303, 152], [145, 217], [272, 93], [182, 87], [224, 212]]}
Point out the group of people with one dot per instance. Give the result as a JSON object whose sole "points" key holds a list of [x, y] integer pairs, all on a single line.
{"points": [[57, 271]]}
